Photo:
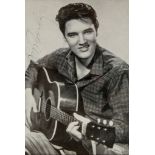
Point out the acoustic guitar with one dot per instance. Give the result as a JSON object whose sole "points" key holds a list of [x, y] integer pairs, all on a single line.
{"points": [[57, 99]]}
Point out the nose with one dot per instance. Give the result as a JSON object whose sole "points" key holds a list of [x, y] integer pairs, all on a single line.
{"points": [[81, 39]]}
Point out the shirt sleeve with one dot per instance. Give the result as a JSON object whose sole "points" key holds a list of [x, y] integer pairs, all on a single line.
{"points": [[32, 70], [119, 102], [31, 74]]}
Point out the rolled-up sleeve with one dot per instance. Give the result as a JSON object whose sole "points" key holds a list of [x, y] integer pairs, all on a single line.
{"points": [[119, 102]]}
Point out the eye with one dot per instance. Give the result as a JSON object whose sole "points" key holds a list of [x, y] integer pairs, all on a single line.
{"points": [[88, 31], [72, 34]]}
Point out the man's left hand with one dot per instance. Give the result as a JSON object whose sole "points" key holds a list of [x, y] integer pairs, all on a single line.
{"points": [[72, 130], [73, 127]]}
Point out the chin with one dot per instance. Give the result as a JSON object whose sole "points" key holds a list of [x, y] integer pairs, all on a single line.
{"points": [[84, 55]]}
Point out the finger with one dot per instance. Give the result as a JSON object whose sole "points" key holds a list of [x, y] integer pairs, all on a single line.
{"points": [[76, 127], [27, 124], [34, 109], [73, 130], [71, 125], [76, 133], [81, 118], [34, 106], [76, 138], [28, 120], [78, 117]]}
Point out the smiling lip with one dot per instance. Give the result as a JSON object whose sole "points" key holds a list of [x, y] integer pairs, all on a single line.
{"points": [[84, 48]]}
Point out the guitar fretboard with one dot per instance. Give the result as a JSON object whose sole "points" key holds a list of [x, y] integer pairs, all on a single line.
{"points": [[61, 116]]}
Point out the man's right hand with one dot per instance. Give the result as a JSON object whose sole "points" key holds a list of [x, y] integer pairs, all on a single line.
{"points": [[29, 104]]}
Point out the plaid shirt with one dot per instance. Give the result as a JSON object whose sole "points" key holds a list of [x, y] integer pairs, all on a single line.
{"points": [[104, 90]]}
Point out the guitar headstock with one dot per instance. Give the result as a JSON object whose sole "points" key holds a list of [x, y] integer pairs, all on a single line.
{"points": [[101, 133]]}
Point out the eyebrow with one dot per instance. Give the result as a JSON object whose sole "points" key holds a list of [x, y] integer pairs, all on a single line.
{"points": [[84, 31], [88, 30], [72, 33]]}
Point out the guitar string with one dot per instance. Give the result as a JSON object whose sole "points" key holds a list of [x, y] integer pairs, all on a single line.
{"points": [[62, 115]]}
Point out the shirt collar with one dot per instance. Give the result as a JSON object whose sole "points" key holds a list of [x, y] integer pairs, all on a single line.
{"points": [[96, 65], [70, 58], [81, 70]]}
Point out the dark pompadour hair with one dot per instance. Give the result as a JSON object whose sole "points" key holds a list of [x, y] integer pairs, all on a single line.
{"points": [[76, 11]]}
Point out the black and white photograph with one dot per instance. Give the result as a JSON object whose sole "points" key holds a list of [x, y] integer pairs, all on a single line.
{"points": [[76, 77]]}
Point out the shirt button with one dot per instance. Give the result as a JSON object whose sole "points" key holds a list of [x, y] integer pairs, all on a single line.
{"points": [[98, 120]]}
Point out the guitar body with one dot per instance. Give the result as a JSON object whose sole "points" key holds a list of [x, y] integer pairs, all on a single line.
{"points": [[56, 100], [53, 97]]}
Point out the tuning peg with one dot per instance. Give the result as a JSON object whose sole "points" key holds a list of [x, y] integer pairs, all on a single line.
{"points": [[99, 128], [111, 123], [98, 120], [97, 138], [103, 141], [93, 126], [92, 136], [105, 122]]}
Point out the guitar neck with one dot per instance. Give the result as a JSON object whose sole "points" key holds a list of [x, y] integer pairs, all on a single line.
{"points": [[61, 116]]}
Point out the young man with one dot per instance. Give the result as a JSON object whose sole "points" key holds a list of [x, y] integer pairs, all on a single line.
{"points": [[101, 77]]}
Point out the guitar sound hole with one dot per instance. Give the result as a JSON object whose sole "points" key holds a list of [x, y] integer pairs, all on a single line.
{"points": [[48, 109]]}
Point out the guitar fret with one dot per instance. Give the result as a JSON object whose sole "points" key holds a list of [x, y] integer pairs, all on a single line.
{"points": [[58, 115], [61, 116]]}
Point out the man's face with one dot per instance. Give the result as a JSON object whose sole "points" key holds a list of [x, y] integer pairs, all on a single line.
{"points": [[81, 35]]}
